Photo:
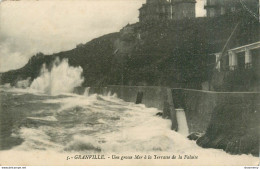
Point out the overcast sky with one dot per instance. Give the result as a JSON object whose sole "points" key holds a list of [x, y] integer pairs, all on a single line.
{"points": [[50, 26]]}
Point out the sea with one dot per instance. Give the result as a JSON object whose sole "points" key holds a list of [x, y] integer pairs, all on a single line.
{"points": [[44, 123]]}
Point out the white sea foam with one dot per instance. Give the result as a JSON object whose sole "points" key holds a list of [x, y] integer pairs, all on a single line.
{"points": [[182, 122], [47, 118], [20, 91], [109, 126], [86, 92], [36, 139], [7, 85], [23, 83]]}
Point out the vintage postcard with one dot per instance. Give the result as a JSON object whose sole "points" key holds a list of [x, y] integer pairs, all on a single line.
{"points": [[129, 82]]}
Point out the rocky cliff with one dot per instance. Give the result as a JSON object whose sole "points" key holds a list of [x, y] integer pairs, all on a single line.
{"points": [[172, 53]]}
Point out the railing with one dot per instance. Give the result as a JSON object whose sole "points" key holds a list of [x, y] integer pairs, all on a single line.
{"points": [[249, 47]]}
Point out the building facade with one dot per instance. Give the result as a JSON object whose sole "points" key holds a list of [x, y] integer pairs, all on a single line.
{"points": [[216, 8], [167, 10]]}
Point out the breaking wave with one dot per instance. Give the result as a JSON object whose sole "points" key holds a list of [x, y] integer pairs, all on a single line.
{"points": [[61, 79]]}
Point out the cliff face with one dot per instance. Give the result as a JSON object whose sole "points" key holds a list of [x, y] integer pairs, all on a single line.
{"points": [[172, 53], [94, 57]]}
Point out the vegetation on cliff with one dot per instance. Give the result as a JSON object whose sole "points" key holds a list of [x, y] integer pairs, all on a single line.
{"points": [[172, 53]]}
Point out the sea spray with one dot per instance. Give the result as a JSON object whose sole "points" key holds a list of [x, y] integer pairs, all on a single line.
{"points": [[23, 83], [61, 79], [86, 92], [183, 128]]}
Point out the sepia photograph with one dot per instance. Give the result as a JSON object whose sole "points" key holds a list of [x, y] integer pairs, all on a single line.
{"points": [[129, 83]]}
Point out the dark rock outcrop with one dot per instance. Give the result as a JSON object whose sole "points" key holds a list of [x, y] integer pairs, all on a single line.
{"points": [[194, 136], [234, 127]]}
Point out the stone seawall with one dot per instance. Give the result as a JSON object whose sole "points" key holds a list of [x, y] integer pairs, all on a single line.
{"points": [[199, 105], [152, 96], [227, 120]]}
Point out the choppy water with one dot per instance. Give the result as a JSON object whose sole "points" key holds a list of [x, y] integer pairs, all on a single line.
{"points": [[80, 123], [57, 125], [92, 124]]}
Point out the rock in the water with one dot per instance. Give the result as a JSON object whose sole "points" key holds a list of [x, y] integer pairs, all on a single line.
{"points": [[194, 136], [159, 114]]}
